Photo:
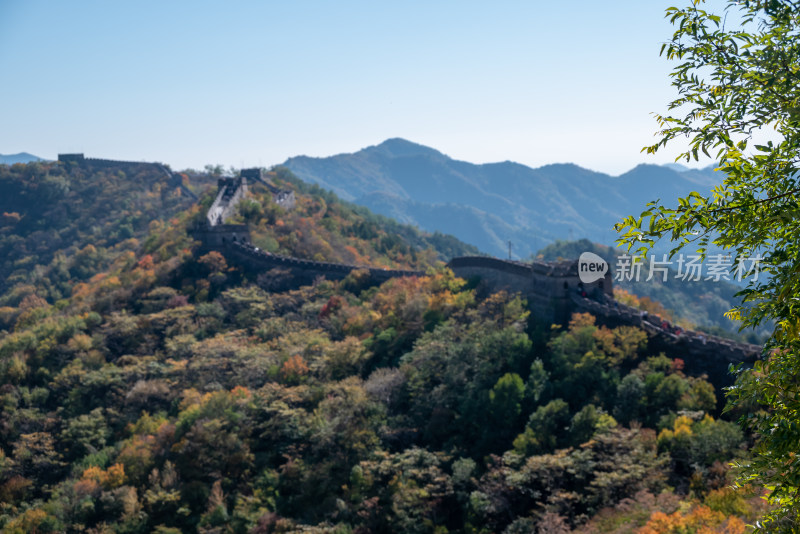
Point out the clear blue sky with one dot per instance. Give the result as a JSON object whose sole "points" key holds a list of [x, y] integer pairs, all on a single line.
{"points": [[245, 83]]}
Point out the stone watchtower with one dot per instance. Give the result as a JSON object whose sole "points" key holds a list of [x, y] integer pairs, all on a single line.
{"points": [[252, 175], [549, 287], [73, 158]]}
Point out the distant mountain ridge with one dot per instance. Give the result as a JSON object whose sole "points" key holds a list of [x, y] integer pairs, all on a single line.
{"points": [[490, 204], [21, 157]]}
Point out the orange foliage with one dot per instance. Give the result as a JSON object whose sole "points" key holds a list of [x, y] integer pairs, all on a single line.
{"points": [[94, 477], [98, 278], [579, 320], [700, 520], [645, 303], [111, 282], [357, 256], [10, 218], [81, 291], [242, 393], [214, 261], [294, 368], [146, 262]]}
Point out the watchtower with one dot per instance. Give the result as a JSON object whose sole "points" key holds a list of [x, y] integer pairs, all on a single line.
{"points": [[74, 158], [252, 174]]}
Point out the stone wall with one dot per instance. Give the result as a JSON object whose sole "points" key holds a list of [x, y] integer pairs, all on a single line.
{"points": [[98, 163], [231, 191], [257, 261], [218, 236], [547, 286]]}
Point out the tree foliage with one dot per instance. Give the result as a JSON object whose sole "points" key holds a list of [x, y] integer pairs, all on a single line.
{"points": [[738, 83]]}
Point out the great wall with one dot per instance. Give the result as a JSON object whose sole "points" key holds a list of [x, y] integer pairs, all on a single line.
{"points": [[175, 179], [553, 290]]}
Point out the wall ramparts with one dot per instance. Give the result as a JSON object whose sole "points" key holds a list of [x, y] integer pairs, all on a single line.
{"points": [[99, 163], [217, 236], [305, 271]]}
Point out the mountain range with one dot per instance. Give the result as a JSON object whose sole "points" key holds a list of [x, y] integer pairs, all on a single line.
{"points": [[22, 157], [489, 205]]}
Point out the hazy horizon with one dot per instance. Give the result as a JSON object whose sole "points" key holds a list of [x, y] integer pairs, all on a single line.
{"points": [[255, 83]]}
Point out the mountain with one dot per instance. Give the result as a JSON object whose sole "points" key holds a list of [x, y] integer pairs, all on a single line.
{"points": [[150, 386], [22, 157], [490, 204]]}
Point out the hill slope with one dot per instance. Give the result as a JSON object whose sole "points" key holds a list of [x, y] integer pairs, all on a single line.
{"points": [[50, 211], [494, 202], [168, 392]]}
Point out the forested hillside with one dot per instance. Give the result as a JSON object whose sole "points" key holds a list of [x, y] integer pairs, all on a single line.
{"points": [[156, 388], [72, 222]]}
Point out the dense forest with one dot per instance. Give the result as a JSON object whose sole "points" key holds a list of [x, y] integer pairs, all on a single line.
{"points": [[150, 386]]}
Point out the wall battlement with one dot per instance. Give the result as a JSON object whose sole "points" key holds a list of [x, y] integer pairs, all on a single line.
{"points": [[80, 159], [547, 286], [304, 271]]}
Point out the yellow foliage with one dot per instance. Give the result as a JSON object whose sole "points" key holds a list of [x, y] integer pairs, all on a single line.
{"points": [[699, 520], [579, 320], [80, 342], [111, 282], [683, 426], [111, 478], [28, 522], [191, 397]]}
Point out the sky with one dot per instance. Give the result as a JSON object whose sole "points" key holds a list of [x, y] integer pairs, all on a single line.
{"points": [[252, 83]]}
